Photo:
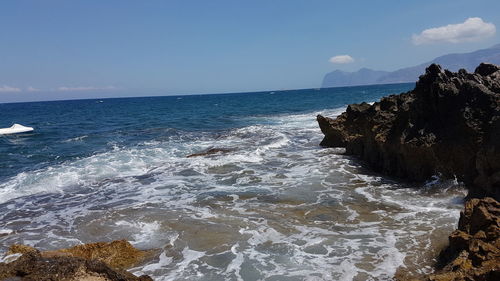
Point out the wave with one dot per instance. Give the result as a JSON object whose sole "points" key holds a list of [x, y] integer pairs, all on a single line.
{"points": [[275, 205]]}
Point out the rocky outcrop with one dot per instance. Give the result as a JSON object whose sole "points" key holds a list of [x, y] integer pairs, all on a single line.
{"points": [[474, 248], [89, 262], [449, 126], [210, 151]]}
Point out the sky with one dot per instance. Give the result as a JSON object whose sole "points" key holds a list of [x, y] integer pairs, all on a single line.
{"points": [[67, 49]]}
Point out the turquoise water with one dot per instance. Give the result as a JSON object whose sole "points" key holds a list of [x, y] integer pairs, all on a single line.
{"points": [[272, 205]]}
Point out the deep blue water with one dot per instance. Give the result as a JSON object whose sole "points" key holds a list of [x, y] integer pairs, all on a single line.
{"points": [[108, 123], [272, 206]]}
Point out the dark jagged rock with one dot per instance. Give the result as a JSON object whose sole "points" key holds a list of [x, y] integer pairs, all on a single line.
{"points": [[474, 248], [210, 152], [89, 262], [32, 266], [117, 254], [449, 125]]}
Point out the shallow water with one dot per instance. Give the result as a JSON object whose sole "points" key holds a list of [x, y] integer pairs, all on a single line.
{"points": [[274, 206]]}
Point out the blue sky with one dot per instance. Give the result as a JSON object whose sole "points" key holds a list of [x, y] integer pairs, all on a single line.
{"points": [[93, 48]]}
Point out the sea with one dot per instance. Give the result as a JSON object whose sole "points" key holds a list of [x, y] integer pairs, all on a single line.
{"points": [[269, 204]]}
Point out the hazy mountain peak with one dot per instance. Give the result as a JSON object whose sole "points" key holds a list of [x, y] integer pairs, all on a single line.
{"points": [[453, 62]]}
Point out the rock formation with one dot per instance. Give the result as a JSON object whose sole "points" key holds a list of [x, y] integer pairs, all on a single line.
{"points": [[474, 248], [210, 151], [90, 262], [448, 126]]}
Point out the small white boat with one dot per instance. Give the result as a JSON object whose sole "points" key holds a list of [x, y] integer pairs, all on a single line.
{"points": [[16, 128]]}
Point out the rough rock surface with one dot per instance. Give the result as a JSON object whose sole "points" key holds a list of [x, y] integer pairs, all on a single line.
{"points": [[474, 248], [90, 262], [210, 152], [449, 125]]}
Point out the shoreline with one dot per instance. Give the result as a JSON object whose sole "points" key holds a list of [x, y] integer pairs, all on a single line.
{"points": [[448, 125], [319, 206]]}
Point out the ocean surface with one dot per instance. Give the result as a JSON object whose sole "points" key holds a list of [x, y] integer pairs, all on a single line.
{"points": [[272, 205]]}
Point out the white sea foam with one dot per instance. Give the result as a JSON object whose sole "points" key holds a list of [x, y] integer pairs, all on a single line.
{"points": [[163, 261], [145, 233], [275, 206], [10, 258], [235, 266], [75, 139], [5, 231]]}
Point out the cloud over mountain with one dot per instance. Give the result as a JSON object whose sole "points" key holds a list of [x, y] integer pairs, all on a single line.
{"points": [[341, 59]]}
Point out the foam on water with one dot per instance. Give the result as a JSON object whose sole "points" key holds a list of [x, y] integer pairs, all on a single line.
{"points": [[276, 206]]}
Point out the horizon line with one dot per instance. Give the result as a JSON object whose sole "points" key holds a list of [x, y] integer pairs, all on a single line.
{"points": [[207, 94]]}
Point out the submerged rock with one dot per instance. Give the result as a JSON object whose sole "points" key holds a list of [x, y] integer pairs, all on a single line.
{"points": [[449, 125], [210, 152], [474, 248], [95, 261]]}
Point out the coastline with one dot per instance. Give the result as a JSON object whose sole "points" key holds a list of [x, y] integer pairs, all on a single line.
{"points": [[449, 125], [296, 207]]}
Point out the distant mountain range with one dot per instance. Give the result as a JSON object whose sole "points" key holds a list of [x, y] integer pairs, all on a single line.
{"points": [[453, 62]]}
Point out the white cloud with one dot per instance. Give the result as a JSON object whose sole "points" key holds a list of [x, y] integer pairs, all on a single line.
{"points": [[32, 89], [71, 89], [472, 29], [6, 89], [341, 59]]}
